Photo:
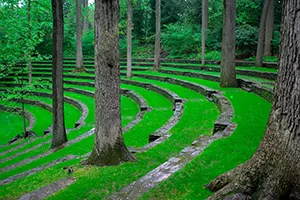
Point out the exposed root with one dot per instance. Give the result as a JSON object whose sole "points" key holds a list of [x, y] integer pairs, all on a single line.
{"points": [[238, 196], [239, 184], [222, 180], [79, 70]]}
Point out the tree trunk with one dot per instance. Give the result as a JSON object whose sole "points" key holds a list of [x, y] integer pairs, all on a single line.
{"points": [[23, 105], [204, 27], [109, 147], [261, 35], [269, 30], [29, 41], [157, 37], [85, 17], [274, 170], [228, 73], [129, 37], [59, 131], [79, 57]]}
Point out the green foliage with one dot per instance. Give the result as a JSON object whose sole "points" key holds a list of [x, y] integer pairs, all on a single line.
{"points": [[181, 40], [20, 37], [138, 51], [276, 42], [246, 40], [213, 55], [265, 59], [88, 43]]}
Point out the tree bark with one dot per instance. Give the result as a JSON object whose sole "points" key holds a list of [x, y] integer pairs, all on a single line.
{"points": [[85, 17], [228, 73], [129, 37], [109, 147], [261, 35], [157, 37], [269, 30], [59, 131], [29, 41], [79, 56], [204, 27], [274, 170]]}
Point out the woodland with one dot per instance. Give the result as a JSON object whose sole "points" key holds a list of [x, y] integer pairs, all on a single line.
{"points": [[150, 99]]}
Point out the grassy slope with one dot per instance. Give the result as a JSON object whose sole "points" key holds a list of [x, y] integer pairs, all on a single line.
{"points": [[44, 148], [196, 120], [11, 125], [251, 116], [95, 180]]}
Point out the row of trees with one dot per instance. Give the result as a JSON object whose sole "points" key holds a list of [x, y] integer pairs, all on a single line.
{"points": [[179, 22], [109, 147]]}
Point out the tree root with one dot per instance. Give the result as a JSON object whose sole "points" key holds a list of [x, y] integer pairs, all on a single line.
{"points": [[239, 184], [79, 70], [222, 180]]}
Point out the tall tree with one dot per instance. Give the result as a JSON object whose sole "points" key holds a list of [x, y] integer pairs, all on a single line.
{"points": [[109, 147], [157, 49], [261, 35], [29, 41], [129, 37], [59, 130], [269, 29], [204, 27], [79, 22], [274, 170], [228, 73], [86, 15]]}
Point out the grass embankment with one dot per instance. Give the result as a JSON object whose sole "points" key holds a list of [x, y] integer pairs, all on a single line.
{"points": [[251, 113], [92, 179], [222, 155], [71, 135], [11, 125]]}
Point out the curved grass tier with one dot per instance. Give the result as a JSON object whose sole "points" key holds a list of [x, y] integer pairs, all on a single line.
{"points": [[200, 117], [12, 122]]}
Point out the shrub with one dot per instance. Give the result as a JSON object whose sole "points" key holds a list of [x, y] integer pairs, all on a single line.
{"points": [[181, 41], [246, 40], [88, 43]]}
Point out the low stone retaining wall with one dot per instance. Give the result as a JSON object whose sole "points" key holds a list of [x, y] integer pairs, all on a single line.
{"points": [[265, 93]]}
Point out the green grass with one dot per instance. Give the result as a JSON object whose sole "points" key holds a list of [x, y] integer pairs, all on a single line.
{"points": [[222, 155], [130, 115], [43, 119], [11, 125], [124, 174], [159, 115], [217, 74]]}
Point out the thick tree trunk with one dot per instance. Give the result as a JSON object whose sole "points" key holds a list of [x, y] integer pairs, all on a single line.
{"points": [[79, 56], [274, 170], [261, 35], [228, 73], [59, 131], [29, 39], [204, 27], [129, 37], [157, 37], [109, 147], [269, 30], [85, 17]]}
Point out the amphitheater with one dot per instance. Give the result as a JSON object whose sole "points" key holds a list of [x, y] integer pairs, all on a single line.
{"points": [[183, 128]]}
